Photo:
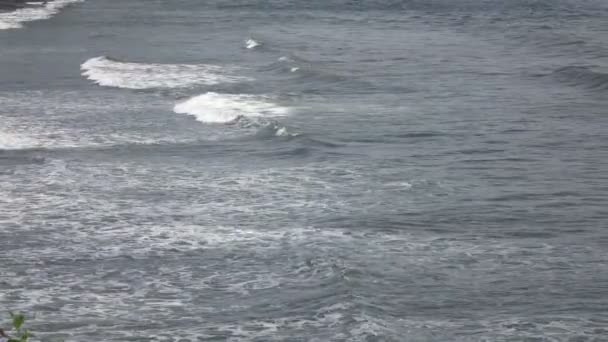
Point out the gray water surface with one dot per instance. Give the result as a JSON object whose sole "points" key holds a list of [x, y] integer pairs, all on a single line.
{"points": [[306, 171]]}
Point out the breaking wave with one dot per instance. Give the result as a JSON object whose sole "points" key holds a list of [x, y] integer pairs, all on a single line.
{"points": [[33, 11], [113, 73], [251, 43], [229, 108]]}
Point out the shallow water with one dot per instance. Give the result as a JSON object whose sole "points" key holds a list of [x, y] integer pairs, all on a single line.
{"points": [[306, 171]]}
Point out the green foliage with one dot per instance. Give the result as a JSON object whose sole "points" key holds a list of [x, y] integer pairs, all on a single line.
{"points": [[18, 320], [18, 334]]}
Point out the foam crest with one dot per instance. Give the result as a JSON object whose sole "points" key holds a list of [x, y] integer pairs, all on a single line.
{"points": [[251, 44], [36, 11], [112, 73], [225, 108], [9, 141]]}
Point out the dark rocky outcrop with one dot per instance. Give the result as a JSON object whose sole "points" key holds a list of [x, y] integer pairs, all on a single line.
{"points": [[7, 5], [11, 5]]}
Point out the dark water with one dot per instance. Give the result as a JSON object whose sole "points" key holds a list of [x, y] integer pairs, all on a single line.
{"points": [[425, 170]]}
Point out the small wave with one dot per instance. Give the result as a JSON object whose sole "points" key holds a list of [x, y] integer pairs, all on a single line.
{"points": [[289, 63], [228, 108], [274, 129], [112, 73], [316, 77], [307, 69], [283, 132], [15, 19], [582, 76], [251, 43]]}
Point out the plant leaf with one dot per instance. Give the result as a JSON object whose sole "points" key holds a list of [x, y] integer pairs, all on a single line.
{"points": [[24, 336], [17, 320]]}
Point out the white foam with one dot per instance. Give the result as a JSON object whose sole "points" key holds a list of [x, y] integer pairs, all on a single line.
{"points": [[222, 108], [9, 141], [251, 44], [111, 73], [39, 11], [21, 127], [282, 131]]}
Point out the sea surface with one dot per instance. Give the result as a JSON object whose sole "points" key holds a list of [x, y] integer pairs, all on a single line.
{"points": [[321, 170]]}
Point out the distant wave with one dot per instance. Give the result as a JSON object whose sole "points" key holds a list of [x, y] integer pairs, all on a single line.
{"points": [[289, 64], [113, 73], [306, 70], [15, 19], [312, 77], [582, 76], [228, 108]]}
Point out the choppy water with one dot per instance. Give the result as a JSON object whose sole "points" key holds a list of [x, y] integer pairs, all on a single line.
{"points": [[424, 170]]}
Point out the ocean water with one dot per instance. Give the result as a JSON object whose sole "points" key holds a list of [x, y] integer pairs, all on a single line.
{"points": [[281, 170]]}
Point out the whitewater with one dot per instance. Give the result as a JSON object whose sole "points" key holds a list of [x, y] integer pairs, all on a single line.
{"points": [[113, 73], [35, 11], [305, 171]]}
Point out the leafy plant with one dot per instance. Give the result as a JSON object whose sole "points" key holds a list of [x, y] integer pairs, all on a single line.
{"points": [[19, 334]]}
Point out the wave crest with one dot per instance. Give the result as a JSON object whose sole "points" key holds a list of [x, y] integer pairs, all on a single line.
{"points": [[15, 19], [113, 73], [226, 108], [251, 43]]}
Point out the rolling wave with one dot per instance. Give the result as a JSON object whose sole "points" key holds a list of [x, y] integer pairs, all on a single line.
{"points": [[113, 73], [15, 19], [582, 76], [228, 108]]}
